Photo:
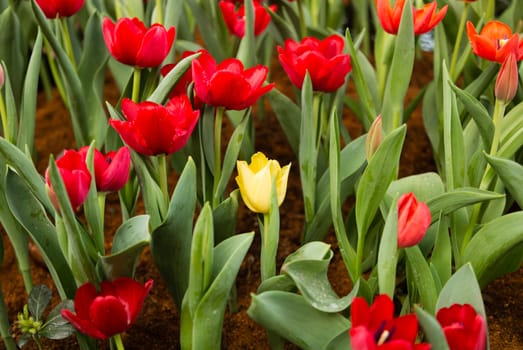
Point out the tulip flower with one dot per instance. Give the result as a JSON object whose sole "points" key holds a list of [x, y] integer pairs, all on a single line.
{"points": [[60, 8], [425, 18], [111, 171], [152, 129], [110, 311], [228, 84], [76, 178], [131, 43], [324, 59], [464, 329], [375, 327], [413, 220], [495, 41], [255, 181], [235, 19], [507, 80]]}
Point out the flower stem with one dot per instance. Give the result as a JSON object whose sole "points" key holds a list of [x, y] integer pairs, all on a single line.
{"points": [[136, 84], [4, 325], [159, 11], [162, 175], [457, 45], [117, 338], [100, 236], [5, 125], [301, 19], [499, 112], [67, 40], [217, 154], [268, 251]]}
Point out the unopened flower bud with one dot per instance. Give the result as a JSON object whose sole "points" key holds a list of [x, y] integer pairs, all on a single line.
{"points": [[374, 138], [2, 76], [507, 80]]}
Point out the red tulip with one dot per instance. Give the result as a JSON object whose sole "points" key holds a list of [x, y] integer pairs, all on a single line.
{"points": [[152, 129], [323, 59], [228, 84], [76, 178], [463, 327], [235, 19], [110, 311], [413, 220], [60, 8], [375, 327], [425, 18], [507, 80], [131, 43], [112, 170], [495, 41]]}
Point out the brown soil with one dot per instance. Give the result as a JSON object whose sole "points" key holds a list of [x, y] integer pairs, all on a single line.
{"points": [[158, 324]]}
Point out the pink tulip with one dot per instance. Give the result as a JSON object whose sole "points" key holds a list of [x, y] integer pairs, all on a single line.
{"points": [[413, 220]]}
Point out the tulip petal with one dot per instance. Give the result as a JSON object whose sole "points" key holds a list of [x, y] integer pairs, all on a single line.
{"points": [[83, 325], [109, 315]]}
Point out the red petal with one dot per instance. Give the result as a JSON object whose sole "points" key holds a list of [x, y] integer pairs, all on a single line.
{"points": [[361, 338], [156, 44], [116, 172], [109, 315], [83, 325], [132, 294]]}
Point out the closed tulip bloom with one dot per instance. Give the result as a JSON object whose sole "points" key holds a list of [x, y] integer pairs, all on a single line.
{"points": [[60, 8], [375, 327], [228, 84], [111, 171], [110, 311], [76, 178], [413, 220], [255, 182], [152, 129], [131, 43], [495, 41], [507, 80], [235, 19], [324, 59], [425, 18], [464, 329]]}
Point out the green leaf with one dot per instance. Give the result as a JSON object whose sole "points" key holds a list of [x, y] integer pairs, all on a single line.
{"points": [[488, 248], [441, 257], [202, 257], [129, 240], [290, 316], [425, 186], [208, 317], [388, 253], [225, 216], [511, 173], [39, 298], [288, 115], [175, 235], [380, 172], [422, 278], [56, 327], [31, 215], [431, 329]]}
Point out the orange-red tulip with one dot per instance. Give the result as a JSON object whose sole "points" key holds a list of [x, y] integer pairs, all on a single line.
{"points": [[495, 41]]}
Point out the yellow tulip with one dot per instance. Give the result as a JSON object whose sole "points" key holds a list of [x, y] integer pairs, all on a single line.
{"points": [[255, 181]]}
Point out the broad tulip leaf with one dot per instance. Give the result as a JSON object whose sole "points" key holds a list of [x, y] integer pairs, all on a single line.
{"points": [[380, 172], [9, 132], [511, 173], [422, 278], [425, 186], [202, 257], [493, 254], [290, 316], [29, 95], [129, 241], [315, 250], [32, 216], [288, 115], [225, 216], [175, 235], [431, 329], [311, 279], [208, 317], [280, 282], [388, 253], [342, 341], [511, 125], [451, 201], [441, 257]]}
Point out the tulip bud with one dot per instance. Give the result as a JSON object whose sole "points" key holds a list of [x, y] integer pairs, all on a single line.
{"points": [[2, 76], [374, 137], [255, 182], [507, 80], [413, 220]]}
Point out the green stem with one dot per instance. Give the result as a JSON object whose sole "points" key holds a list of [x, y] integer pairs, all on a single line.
{"points": [[118, 342], [268, 251], [54, 72], [3, 113], [159, 11], [99, 240], [217, 154], [457, 45], [136, 84], [118, 9], [38, 342], [499, 112], [359, 255], [301, 19], [67, 41], [9, 342], [162, 174]]}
